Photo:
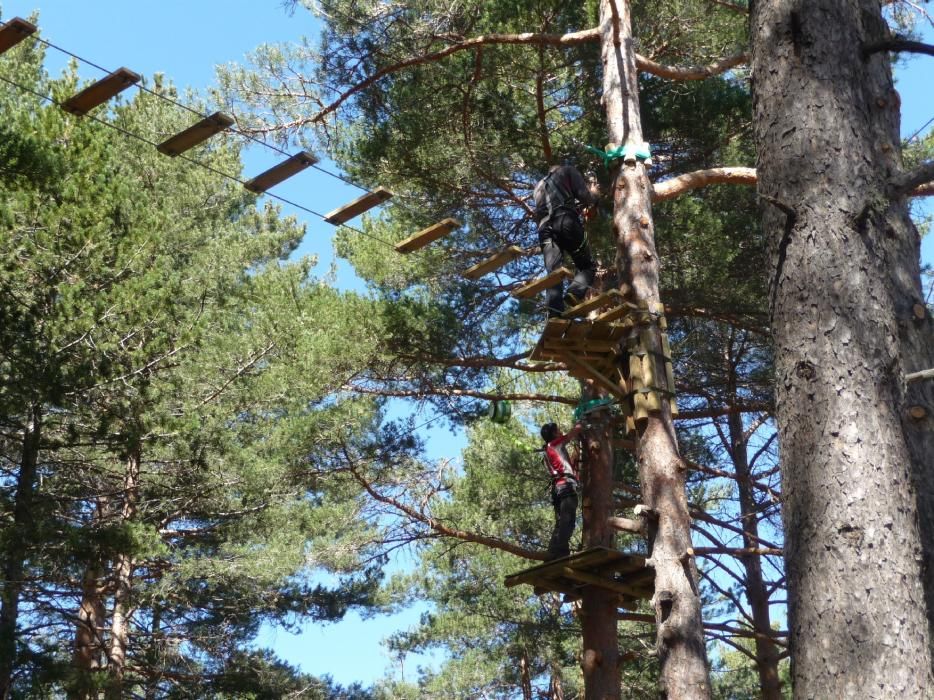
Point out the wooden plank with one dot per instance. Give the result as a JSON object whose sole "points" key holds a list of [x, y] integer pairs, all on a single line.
{"points": [[14, 32], [101, 91], [358, 206], [195, 134], [600, 347], [614, 314], [428, 235], [593, 304], [578, 330], [282, 171], [555, 328], [535, 286], [494, 262]]}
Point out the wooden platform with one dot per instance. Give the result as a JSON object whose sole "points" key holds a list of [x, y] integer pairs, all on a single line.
{"points": [[590, 348], [622, 573]]}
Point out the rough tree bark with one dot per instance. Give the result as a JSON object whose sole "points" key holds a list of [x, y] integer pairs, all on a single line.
{"points": [[826, 124], [662, 473], [123, 582], [14, 558], [89, 632], [600, 656]]}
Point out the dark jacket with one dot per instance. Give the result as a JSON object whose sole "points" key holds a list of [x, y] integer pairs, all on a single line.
{"points": [[561, 189]]}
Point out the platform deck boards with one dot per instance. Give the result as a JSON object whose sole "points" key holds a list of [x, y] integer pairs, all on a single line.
{"points": [[494, 262], [358, 206], [623, 573], [428, 235], [588, 347]]}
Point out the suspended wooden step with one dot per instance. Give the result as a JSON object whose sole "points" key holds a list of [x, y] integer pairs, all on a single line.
{"points": [[280, 172], [610, 298], [632, 314], [14, 32], [101, 91], [495, 262], [358, 206], [195, 134], [590, 348], [535, 286], [622, 573], [428, 235]]}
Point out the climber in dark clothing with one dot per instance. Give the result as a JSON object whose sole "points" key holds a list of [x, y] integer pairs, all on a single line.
{"points": [[565, 483], [561, 230]]}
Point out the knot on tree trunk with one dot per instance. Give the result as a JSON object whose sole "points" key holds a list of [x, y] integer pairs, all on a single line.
{"points": [[591, 660]]}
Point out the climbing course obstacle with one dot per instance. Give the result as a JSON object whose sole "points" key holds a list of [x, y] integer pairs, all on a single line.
{"points": [[280, 172], [195, 134], [494, 262], [14, 32], [345, 213], [101, 91]]}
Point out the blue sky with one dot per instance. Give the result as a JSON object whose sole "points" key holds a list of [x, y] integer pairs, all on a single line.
{"points": [[185, 40]]}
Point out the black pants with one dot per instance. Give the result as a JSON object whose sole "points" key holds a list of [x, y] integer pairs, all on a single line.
{"points": [[565, 503], [564, 233]]}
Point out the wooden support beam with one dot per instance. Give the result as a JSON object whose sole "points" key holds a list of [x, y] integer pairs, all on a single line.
{"points": [[494, 262], [282, 171], [428, 235], [601, 582], [101, 91], [529, 290], [14, 32], [195, 134], [597, 376], [358, 206]]}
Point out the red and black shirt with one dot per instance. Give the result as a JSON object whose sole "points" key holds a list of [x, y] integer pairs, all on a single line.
{"points": [[562, 469]]}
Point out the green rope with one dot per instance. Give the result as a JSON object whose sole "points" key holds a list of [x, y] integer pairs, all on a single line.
{"points": [[585, 407], [641, 151]]}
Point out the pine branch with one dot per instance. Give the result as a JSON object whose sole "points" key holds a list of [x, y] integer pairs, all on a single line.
{"points": [[457, 391], [676, 186], [912, 181], [897, 45], [527, 38], [440, 527], [719, 66]]}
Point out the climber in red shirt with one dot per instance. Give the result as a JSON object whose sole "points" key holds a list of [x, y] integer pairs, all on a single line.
{"points": [[565, 483]]}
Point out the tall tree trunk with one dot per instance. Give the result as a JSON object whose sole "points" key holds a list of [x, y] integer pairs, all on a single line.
{"points": [[89, 632], [600, 657], [827, 149], [123, 582], [14, 558], [767, 653], [662, 473], [525, 676]]}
